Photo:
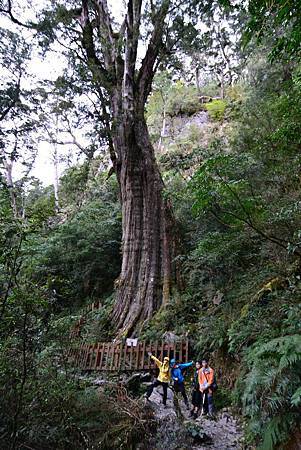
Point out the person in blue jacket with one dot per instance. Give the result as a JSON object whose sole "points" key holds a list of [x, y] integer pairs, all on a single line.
{"points": [[178, 378]]}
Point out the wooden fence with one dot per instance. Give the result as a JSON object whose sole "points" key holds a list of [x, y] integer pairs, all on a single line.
{"points": [[110, 356]]}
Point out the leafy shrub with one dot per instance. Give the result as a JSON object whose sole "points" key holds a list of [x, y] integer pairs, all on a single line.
{"points": [[216, 109], [81, 258], [183, 100]]}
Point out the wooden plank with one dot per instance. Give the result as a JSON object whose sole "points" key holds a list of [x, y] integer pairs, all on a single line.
{"points": [[102, 350], [83, 357], [77, 356], [161, 351], [142, 356], [112, 358], [181, 353], [187, 350], [120, 356], [149, 350], [124, 356], [116, 357], [172, 349], [97, 355], [137, 356], [87, 358], [91, 353], [131, 357], [156, 351], [107, 350]]}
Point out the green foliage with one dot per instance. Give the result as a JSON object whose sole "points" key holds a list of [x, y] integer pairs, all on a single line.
{"points": [[216, 109], [197, 434], [271, 386], [183, 100], [98, 324], [280, 21], [81, 258]]}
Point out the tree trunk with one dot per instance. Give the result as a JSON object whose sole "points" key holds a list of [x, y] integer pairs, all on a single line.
{"points": [[147, 240], [197, 81], [8, 167], [56, 178], [162, 134]]}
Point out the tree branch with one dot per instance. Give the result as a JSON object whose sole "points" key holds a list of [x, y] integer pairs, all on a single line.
{"points": [[106, 34], [9, 12], [13, 101], [94, 63], [132, 20], [146, 72]]}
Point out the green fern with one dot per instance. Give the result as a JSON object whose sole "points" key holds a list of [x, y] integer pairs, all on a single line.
{"points": [[271, 389], [296, 397]]}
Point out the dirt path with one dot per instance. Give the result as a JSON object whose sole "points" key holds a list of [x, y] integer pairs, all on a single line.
{"points": [[224, 433]]}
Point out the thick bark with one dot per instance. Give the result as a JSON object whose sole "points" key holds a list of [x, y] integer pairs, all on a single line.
{"points": [[147, 223], [147, 243]]}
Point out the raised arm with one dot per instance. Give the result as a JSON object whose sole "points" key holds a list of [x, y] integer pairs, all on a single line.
{"points": [[157, 361], [185, 365]]}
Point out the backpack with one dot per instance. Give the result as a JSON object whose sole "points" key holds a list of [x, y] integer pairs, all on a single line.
{"points": [[214, 385]]}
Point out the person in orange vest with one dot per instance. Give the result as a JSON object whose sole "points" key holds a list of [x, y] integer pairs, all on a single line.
{"points": [[163, 377], [206, 383]]}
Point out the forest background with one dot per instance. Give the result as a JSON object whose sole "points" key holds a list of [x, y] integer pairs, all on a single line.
{"points": [[231, 171]]}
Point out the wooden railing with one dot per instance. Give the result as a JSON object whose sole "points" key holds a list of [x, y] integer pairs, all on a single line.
{"points": [[110, 356]]}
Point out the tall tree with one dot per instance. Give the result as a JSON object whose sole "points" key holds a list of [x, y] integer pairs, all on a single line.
{"points": [[147, 235], [122, 80], [18, 118], [218, 51]]}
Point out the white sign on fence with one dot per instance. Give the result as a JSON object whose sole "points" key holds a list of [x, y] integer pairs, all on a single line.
{"points": [[131, 342]]}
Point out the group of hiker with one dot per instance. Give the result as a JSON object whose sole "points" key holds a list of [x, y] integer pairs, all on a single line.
{"points": [[203, 386]]}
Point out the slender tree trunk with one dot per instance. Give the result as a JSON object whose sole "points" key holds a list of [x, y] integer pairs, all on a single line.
{"points": [[56, 178], [8, 167], [222, 89], [148, 245], [55, 159], [197, 81], [162, 134]]}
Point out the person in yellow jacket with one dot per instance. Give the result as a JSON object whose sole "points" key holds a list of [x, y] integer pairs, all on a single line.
{"points": [[163, 377]]}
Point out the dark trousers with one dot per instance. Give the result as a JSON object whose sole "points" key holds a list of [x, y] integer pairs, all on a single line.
{"points": [[180, 387], [196, 398], [208, 402], [155, 384]]}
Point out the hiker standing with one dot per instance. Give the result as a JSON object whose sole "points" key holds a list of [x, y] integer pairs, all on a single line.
{"points": [[206, 382], [163, 378], [178, 378], [196, 397]]}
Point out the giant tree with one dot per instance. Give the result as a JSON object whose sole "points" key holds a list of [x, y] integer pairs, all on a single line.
{"points": [[148, 240], [148, 236], [123, 79]]}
